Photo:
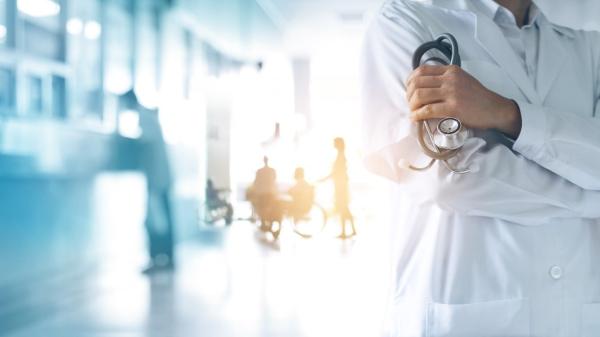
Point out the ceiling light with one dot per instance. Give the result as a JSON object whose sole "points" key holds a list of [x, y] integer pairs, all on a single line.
{"points": [[92, 30], [74, 26], [38, 8], [2, 33]]}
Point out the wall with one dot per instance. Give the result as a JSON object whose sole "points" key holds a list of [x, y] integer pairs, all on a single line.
{"points": [[238, 27], [219, 112]]}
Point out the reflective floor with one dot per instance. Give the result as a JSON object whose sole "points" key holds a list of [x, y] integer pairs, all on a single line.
{"points": [[234, 282]]}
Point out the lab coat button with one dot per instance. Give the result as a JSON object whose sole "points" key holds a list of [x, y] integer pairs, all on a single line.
{"points": [[556, 272]]}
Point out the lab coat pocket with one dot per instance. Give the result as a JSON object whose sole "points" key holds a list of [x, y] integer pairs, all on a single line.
{"points": [[509, 318], [590, 320]]}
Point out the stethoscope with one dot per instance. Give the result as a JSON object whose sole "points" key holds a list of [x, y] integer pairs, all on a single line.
{"points": [[449, 137]]}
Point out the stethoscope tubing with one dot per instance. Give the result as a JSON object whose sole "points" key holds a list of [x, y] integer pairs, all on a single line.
{"points": [[450, 50]]}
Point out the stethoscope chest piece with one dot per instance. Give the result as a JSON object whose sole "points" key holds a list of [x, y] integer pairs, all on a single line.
{"points": [[450, 134], [448, 138]]}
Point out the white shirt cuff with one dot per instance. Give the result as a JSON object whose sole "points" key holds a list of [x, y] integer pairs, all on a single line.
{"points": [[532, 138]]}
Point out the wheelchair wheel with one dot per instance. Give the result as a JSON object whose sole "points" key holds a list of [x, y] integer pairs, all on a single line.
{"points": [[211, 216], [214, 216], [312, 223]]}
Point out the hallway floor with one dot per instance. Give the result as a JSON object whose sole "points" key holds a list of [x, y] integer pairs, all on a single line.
{"points": [[234, 282]]}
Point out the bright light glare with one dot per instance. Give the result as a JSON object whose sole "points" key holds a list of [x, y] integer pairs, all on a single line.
{"points": [[180, 119], [2, 33], [74, 26], [259, 101], [38, 8], [92, 30], [129, 124], [118, 80]]}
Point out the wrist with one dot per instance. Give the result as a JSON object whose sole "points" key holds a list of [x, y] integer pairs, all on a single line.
{"points": [[509, 118]]}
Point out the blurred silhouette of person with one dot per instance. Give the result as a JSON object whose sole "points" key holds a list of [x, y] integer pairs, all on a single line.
{"points": [[339, 176], [263, 195], [302, 194], [215, 201], [155, 164]]}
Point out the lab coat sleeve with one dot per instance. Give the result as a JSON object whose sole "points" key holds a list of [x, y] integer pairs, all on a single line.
{"points": [[565, 142], [503, 184]]}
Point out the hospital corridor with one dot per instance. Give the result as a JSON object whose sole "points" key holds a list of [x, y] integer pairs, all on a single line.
{"points": [[227, 281], [299, 168]]}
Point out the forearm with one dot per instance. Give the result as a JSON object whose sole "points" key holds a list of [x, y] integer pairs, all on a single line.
{"points": [[566, 143], [509, 119], [507, 186]]}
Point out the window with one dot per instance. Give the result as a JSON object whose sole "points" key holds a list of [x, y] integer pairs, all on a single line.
{"points": [[118, 73], [7, 71], [34, 98], [43, 31], [147, 53], [84, 33], [59, 106], [40, 40], [3, 23], [6, 91]]}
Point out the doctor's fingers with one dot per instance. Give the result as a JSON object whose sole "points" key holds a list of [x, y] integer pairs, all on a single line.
{"points": [[424, 96], [429, 111], [426, 70], [423, 82]]}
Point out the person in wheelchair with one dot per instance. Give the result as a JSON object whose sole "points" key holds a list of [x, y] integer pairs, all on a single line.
{"points": [[302, 196], [214, 201], [262, 194]]}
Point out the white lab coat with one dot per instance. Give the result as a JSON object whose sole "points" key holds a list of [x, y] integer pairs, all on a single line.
{"points": [[513, 248]]}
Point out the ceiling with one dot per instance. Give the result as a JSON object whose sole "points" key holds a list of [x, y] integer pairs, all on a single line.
{"points": [[308, 24], [304, 9]]}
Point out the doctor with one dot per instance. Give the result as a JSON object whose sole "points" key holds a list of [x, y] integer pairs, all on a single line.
{"points": [[511, 249]]}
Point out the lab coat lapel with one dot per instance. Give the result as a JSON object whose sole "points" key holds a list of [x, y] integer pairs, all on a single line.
{"points": [[551, 58], [493, 41]]}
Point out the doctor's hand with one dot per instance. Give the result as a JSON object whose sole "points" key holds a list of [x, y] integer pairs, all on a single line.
{"points": [[449, 91]]}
